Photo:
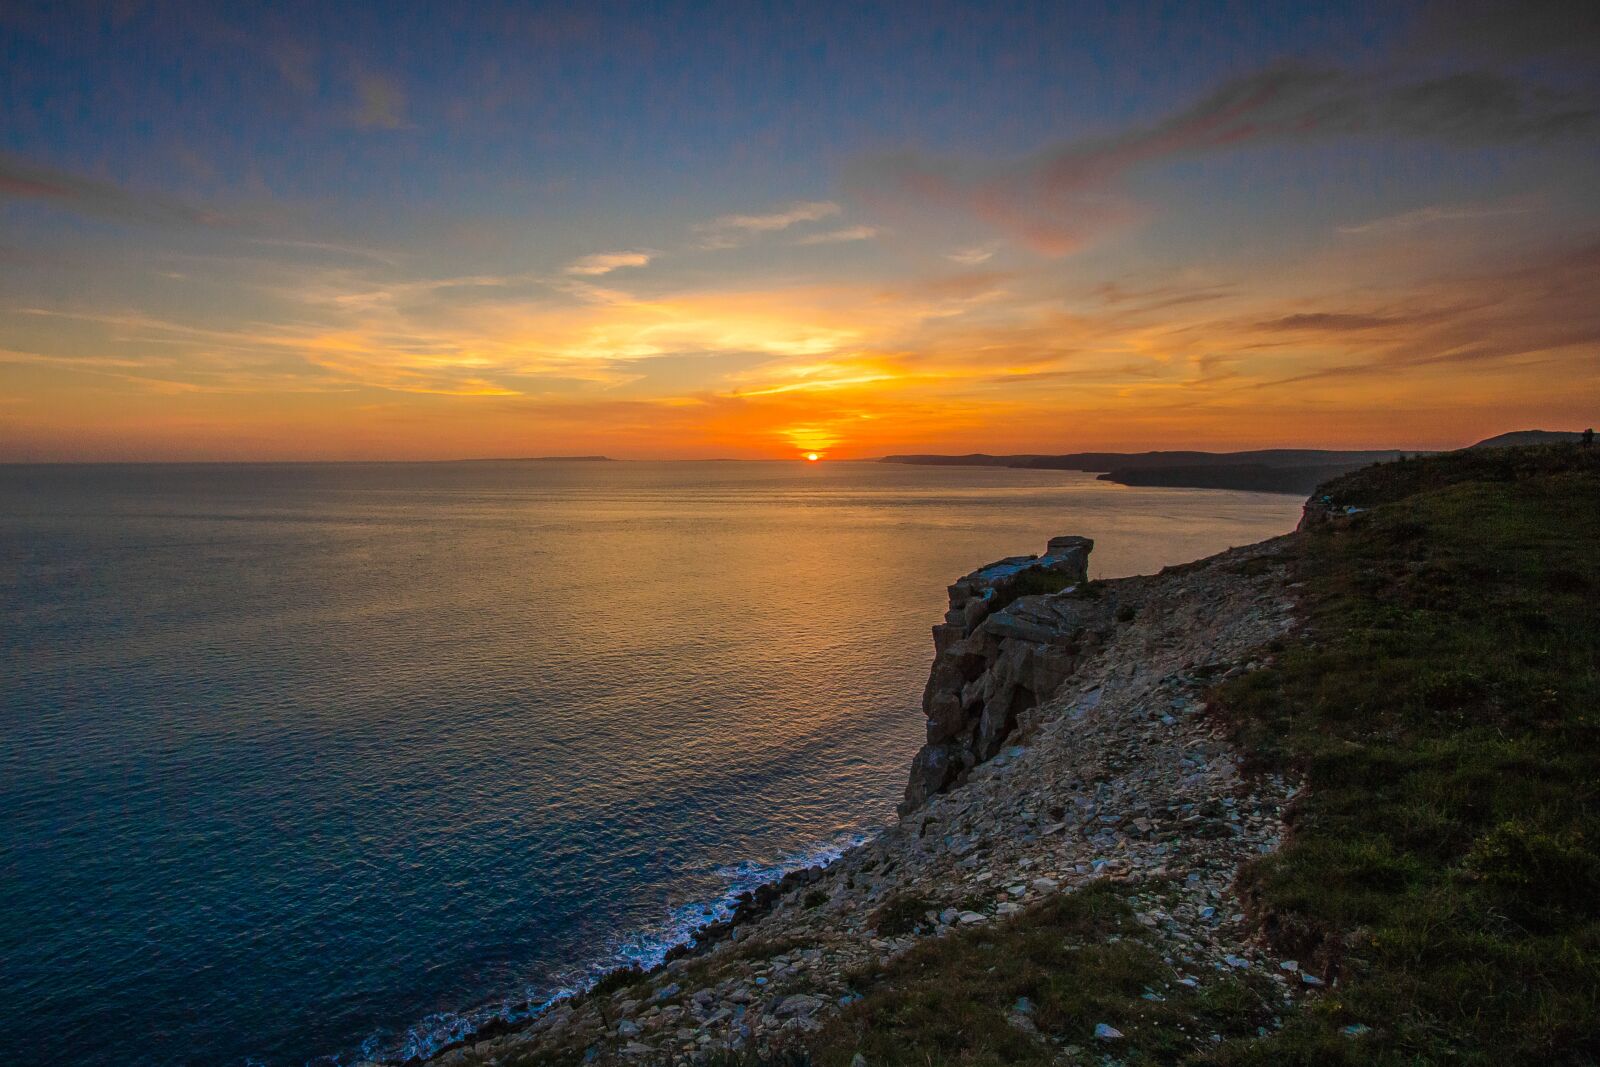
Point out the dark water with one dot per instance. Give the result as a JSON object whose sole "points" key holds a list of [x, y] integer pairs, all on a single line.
{"points": [[298, 761]]}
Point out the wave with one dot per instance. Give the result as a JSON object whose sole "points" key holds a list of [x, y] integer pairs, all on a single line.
{"points": [[646, 949]]}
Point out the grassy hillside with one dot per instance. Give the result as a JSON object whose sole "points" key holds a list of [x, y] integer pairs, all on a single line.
{"points": [[1251, 477], [1445, 863], [1445, 706]]}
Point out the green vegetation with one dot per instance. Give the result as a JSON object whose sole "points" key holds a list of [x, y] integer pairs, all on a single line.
{"points": [[902, 914], [1033, 583], [1387, 483], [1443, 705], [621, 978], [1078, 960]]}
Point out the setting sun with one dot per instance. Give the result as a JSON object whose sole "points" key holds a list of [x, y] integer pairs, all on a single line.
{"points": [[812, 457]]}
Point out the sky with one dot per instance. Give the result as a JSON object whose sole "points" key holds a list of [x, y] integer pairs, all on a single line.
{"points": [[679, 230]]}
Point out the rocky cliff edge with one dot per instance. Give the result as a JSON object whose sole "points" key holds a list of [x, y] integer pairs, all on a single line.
{"points": [[1067, 747]]}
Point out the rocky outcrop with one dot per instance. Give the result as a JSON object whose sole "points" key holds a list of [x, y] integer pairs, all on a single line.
{"points": [[998, 654], [1120, 776], [1319, 510]]}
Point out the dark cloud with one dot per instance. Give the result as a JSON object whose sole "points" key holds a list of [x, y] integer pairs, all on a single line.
{"points": [[1294, 102], [1335, 321], [1478, 106], [1495, 29], [1541, 309], [20, 180], [1068, 195], [1160, 297]]}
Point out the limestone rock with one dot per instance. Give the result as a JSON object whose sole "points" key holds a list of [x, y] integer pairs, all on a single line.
{"points": [[996, 657], [798, 1004]]}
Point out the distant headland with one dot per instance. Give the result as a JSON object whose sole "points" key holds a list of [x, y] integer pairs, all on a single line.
{"points": [[1267, 470], [542, 459]]}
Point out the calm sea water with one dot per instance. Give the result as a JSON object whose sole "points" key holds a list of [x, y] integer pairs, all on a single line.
{"points": [[299, 761]]}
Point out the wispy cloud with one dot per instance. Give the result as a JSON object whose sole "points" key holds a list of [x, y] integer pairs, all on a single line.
{"points": [[841, 236], [11, 355], [1543, 308], [380, 103], [295, 63], [102, 199], [332, 248], [606, 262], [972, 255], [777, 220], [1497, 30], [1432, 215], [1070, 194], [1335, 322], [729, 231]]}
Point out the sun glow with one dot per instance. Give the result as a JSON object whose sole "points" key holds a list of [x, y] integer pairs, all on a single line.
{"points": [[812, 457]]}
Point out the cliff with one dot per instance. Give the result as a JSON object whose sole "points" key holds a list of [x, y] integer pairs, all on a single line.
{"points": [[997, 654], [1067, 753], [1324, 799]]}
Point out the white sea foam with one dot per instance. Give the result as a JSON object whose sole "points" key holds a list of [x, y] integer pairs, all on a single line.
{"points": [[645, 948]]}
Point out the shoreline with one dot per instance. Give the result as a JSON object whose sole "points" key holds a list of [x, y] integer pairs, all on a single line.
{"points": [[782, 910], [658, 946]]}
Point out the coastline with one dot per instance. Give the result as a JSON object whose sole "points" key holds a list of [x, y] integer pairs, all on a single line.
{"points": [[1117, 880], [752, 887], [705, 993]]}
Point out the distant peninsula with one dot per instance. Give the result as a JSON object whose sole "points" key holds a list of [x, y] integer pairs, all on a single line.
{"points": [[1267, 470], [1270, 470], [1520, 438], [543, 459]]}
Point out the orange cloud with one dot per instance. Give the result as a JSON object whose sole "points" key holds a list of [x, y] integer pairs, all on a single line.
{"points": [[352, 362]]}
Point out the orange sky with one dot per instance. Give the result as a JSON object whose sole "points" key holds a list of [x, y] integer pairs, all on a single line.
{"points": [[1015, 359], [1393, 246]]}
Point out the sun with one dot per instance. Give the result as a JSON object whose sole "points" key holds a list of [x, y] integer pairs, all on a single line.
{"points": [[812, 457]]}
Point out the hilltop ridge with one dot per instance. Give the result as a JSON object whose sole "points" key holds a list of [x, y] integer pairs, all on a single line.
{"points": [[1269, 470]]}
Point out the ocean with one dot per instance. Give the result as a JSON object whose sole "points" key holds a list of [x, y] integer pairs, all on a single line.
{"points": [[301, 763]]}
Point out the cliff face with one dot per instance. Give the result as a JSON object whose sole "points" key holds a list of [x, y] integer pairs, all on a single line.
{"points": [[998, 655], [1114, 777]]}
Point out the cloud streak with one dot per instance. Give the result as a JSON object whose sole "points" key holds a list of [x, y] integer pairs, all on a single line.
{"points": [[606, 262], [730, 231], [1430, 216], [1067, 196], [841, 236], [380, 104], [973, 255], [87, 196]]}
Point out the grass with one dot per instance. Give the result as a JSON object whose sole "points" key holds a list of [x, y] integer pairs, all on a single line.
{"points": [[903, 913], [1444, 705], [1079, 959], [621, 978], [1444, 862], [1034, 583]]}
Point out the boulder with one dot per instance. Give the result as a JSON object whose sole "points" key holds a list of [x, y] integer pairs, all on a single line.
{"points": [[802, 1005]]}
